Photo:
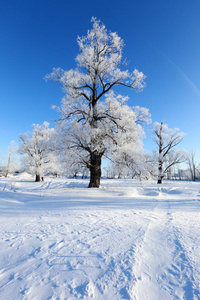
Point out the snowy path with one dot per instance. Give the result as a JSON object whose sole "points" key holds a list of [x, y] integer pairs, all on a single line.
{"points": [[165, 267], [123, 241]]}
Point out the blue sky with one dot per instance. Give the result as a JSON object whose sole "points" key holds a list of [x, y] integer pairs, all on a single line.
{"points": [[162, 40]]}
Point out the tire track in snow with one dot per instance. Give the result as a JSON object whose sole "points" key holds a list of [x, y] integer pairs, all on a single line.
{"points": [[163, 271]]}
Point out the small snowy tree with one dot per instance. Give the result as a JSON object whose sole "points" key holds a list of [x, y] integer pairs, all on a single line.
{"points": [[36, 148], [133, 164], [10, 161], [167, 139], [70, 162], [93, 115], [128, 157]]}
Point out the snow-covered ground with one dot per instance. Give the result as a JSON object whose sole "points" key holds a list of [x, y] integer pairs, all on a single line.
{"points": [[126, 240]]}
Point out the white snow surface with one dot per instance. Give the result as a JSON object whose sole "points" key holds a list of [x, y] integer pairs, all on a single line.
{"points": [[126, 240]]}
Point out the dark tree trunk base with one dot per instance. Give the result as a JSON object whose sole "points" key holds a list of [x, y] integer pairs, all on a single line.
{"points": [[95, 170], [94, 179], [37, 178], [94, 184], [159, 181]]}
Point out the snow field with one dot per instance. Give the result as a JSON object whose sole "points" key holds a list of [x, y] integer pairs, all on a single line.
{"points": [[60, 240]]}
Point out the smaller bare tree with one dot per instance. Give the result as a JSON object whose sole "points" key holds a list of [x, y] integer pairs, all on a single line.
{"points": [[193, 166], [167, 139]]}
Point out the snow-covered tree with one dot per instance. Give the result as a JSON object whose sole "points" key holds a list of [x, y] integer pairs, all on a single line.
{"points": [[132, 164], [71, 164], [128, 157], [167, 139], [10, 162], [69, 158], [36, 148], [96, 118]]}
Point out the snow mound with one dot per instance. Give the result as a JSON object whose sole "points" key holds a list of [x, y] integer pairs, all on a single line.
{"points": [[152, 193], [176, 191], [23, 176], [77, 184]]}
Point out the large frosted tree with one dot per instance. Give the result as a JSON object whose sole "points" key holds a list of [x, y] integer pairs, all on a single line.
{"points": [[95, 118]]}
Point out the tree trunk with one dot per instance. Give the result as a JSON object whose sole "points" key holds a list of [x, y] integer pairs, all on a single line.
{"points": [[37, 178], [160, 172], [95, 170], [160, 159], [95, 157]]}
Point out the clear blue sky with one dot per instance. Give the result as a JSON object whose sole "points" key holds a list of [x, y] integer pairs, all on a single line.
{"points": [[162, 40]]}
